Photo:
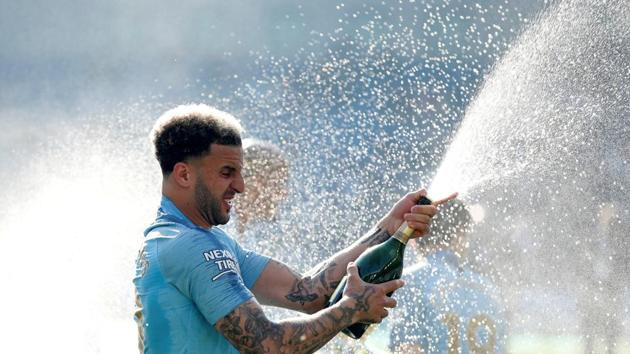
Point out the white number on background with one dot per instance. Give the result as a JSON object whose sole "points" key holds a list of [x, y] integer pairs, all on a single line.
{"points": [[452, 322]]}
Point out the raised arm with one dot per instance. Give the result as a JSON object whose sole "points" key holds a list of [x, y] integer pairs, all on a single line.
{"points": [[249, 330], [280, 286]]}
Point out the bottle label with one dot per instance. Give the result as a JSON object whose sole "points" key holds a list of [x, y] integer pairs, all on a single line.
{"points": [[403, 233]]}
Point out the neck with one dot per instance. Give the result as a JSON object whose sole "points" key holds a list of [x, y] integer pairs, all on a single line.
{"points": [[186, 205]]}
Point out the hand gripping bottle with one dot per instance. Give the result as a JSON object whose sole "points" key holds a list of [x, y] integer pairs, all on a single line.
{"points": [[378, 264]]}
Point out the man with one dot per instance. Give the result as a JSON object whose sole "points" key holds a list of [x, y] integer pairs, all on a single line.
{"points": [[199, 291], [446, 307]]}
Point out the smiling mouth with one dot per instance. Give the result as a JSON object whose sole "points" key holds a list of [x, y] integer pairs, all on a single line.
{"points": [[229, 202]]}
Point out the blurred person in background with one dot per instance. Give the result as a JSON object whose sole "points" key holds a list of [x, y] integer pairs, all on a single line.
{"points": [[446, 307], [266, 175], [604, 283]]}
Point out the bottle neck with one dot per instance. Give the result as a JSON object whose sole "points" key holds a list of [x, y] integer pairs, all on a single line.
{"points": [[403, 233]]}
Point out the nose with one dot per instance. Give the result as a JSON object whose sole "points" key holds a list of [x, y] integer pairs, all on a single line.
{"points": [[238, 184]]}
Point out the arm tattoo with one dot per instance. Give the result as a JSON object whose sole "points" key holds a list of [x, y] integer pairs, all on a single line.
{"points": [[377, 236], [302, 292], [361, 304], [321, 282], [315, 286], [250, 331], [362, 299], [247, 327]]}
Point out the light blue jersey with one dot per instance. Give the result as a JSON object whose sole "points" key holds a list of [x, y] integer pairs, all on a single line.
{"points": [[446, 309], [187, 278]]}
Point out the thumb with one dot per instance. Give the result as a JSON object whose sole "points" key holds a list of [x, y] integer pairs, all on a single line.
{"points": [[353, 272], [392, 285], [416, 195]]}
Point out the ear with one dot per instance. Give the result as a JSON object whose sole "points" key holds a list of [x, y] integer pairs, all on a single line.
{"points": [[183, 174]]}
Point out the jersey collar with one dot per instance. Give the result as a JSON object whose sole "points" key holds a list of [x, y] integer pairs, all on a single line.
{"points": [[169, 212]]}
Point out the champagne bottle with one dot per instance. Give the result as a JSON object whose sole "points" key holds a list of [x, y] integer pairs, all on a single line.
{"points": [[378, 264]]}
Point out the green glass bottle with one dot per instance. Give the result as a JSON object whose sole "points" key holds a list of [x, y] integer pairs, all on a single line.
{"points": [[378, 264]]}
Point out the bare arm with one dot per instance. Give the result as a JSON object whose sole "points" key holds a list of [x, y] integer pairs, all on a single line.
{"points": [[279, 285], [249, 330]]}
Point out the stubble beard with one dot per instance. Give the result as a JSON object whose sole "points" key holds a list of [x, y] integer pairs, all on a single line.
{"points": [[209, 206]]}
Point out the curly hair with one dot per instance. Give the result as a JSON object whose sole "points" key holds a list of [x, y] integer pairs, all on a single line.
{"points": [[187, 131]]}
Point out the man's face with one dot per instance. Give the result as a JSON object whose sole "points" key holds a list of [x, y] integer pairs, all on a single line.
{"points": [[218, 181]]}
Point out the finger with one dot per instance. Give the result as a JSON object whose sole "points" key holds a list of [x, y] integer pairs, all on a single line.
{"points": [[389, 302], [420, 232], [385, 313], [352, 271], [382, 314], [442, 201], [391, 285], [418, 228], [417, 218], [430, 210]]}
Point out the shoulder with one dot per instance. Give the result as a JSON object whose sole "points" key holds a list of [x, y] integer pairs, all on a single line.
{"points": [[424, 273], [482, 285], [175, 242], [165, 230], [221, 234]]}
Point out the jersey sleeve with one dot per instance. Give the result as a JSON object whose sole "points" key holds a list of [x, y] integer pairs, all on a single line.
{"points": [[252, 264], [205, 271]]}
